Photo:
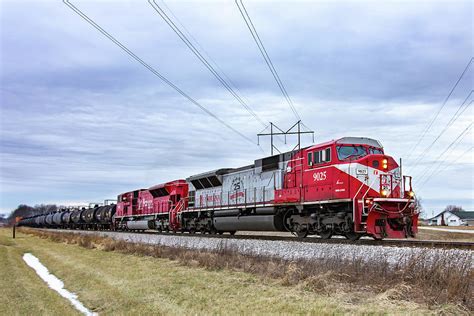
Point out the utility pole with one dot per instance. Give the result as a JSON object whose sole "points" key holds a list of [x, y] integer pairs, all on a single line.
{"points": [[289, 131], [271, 137]]}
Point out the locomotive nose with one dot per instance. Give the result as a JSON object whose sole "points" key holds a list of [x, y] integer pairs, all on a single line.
{"points": [[381, 162]]}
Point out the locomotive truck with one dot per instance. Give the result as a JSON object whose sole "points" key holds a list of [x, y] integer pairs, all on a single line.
{"points": [[347, 187]]}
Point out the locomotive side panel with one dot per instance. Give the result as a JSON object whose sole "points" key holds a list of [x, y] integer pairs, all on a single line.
{"points": [[241, 188]]}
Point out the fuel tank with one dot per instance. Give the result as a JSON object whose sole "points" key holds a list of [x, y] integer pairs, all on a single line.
{"points": [[140, 225], [251, 222]]}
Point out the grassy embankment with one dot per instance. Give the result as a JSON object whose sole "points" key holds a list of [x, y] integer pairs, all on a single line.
{"points": [[431, 234], [111, 276]]}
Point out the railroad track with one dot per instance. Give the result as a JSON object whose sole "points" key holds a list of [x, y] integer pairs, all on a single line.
{"points": [[366, 242]]}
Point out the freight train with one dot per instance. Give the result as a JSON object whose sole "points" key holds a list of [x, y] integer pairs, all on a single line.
{"points": [[347, 187]]}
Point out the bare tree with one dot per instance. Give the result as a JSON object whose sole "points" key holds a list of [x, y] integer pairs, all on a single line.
{"points": [[451, 208], [419, 208]]}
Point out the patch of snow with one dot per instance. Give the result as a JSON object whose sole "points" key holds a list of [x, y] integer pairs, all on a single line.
{"points": [[54, 283]]}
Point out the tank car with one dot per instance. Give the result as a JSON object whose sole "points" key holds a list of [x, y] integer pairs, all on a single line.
{"points": [[66, 219], [57, 218], [49, 220], [104, 216], [77, 218], [88, 217]]}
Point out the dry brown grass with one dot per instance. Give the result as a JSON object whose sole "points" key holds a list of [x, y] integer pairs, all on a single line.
{"points": [[425, 234], [435, 282]]}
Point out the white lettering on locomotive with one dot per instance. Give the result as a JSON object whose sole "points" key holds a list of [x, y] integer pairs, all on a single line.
{"points": [[319, 176]]}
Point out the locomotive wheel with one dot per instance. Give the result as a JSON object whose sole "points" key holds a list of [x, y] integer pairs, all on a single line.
{"points": [[302, 233], [376, 237], [192, 231], [326, 234], [232, 233], [353, 236]]}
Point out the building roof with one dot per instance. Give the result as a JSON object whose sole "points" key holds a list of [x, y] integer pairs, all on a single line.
{"points": [[464, 214], [460, 214]]}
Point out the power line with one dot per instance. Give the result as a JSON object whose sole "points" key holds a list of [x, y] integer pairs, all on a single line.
{"points": [[209, 57], [151, 69], [440, 109], [446, 166], [453, 119], [432, 166], [457, 159], [198, 54], [266, 57]]}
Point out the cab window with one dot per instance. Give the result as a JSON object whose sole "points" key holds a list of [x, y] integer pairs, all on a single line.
{"points": [[350, 152], [322, 156], [375, 151], [310, 159]]}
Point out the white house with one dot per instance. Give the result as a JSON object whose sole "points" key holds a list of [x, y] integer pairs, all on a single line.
{"points": [[452, 218]]}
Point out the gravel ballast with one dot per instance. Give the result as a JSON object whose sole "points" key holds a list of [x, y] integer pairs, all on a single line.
{"points": [[289, 250]]}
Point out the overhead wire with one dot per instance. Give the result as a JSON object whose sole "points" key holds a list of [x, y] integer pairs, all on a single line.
{"points": [[429, 170], [203, 60], [153, 70], [430, 124], [453, 119], [266, 57], [209, 57], [442, 168], [455, 160]]}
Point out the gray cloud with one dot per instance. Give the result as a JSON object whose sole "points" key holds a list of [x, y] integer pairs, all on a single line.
{"points": [[82, 121]]}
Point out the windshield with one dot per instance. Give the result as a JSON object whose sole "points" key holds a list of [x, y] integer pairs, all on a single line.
{"points": [[375, 151], [346, 152]]}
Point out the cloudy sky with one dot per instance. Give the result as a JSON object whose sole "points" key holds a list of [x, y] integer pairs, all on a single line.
{"points": [[82, 121]]}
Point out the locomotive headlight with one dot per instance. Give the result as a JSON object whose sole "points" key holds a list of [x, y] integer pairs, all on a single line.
{"points": [[384, 193], [384, 163], [411, 194]]}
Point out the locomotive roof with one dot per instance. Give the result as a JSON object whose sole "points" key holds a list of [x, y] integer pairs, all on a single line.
{"points": [[350, 141], [207, 174], [162, 185]]}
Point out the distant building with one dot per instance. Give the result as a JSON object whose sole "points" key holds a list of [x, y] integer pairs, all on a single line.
{"points": [[452, 218]]}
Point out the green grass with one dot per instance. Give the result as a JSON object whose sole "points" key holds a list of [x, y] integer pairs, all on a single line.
{"points": [[110, 282], [22, 292]]}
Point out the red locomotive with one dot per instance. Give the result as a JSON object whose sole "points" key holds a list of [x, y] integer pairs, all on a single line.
{"points": [[345, 187]]}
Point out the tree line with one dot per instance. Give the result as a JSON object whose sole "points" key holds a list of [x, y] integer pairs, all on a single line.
{"points": [[24, 210]]}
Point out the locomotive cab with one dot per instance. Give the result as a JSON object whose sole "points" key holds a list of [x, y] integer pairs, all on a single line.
{"points": [[349, 187]]}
